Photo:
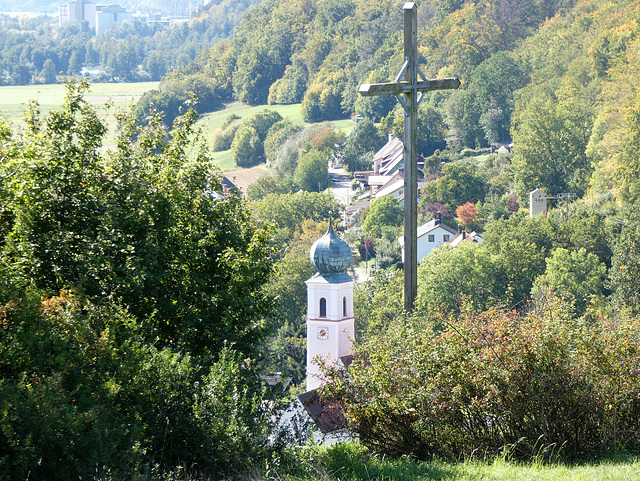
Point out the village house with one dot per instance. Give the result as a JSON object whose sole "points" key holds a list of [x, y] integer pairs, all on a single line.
{"points": [[464, 237], [431, 235]]}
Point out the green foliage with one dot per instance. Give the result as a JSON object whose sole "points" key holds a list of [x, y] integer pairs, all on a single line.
{"points": [[430, 128], [551, 140], [459, 183], [319, 137], [80, 393], [277, 135], [362, 142], [377, 302], [379, 107], [573, 276], [481, 114], [470, 279], [383, 212], [324, 98], [143, 359], [167, 104], [49, 72], [291, 87], [270, 184], [438, 386], [223, 137], [140, 226], [247, 149], [312, 173], [291, 210], [263, 120], [624, 275]]}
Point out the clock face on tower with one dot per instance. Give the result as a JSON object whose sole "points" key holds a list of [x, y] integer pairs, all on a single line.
{"points": [[323, 333]]}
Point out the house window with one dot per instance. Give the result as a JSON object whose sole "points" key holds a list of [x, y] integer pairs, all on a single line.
{"points": [[323, 307], [344, 307], [431, 238], [445, 238]]}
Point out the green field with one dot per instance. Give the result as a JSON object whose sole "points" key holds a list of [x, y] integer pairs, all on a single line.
{"points": [[14, 99]]}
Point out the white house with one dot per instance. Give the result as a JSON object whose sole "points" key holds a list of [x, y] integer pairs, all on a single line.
{"points": [[394, 187], [466, 237], [389, 158], [431, 235]]}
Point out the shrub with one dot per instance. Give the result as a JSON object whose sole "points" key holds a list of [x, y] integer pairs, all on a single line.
{"points": [[454, 386], [80, 394]]}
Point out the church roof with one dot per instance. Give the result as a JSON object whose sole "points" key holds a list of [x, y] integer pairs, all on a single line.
{"points": [[330, 254]]}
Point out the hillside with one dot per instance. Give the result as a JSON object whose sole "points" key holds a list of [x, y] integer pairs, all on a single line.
{"points": [[571, 67]]}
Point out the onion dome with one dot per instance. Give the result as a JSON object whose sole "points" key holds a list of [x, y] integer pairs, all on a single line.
{"points": [[330, 254]]}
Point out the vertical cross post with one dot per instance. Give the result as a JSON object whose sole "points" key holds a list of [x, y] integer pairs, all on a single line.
{"points": [[409, 92], [410, 158]]}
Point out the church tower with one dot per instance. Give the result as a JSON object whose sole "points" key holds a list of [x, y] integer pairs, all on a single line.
{"points": [[330, 321]]}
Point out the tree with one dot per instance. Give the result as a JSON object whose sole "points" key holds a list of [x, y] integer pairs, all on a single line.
{"points": [[383, 212], [277, 135], [144, 310], [155, 64], [467, 213], [430, 126], [312, 173], [314, 137], [223, 136], [246, 149], [75, 63], [459, 183], [155, 101], [289, 211], [471, 279], [49, 72], [140, 226], [324, 97], [263, 120], [573, 276], [270, 184], [552, 138], [362, 142], [624, 275]]}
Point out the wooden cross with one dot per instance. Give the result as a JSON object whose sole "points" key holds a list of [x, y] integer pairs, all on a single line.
{"points": [[409, 92]]}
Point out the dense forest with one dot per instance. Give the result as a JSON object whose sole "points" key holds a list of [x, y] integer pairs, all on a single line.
{"points": [[140, 302]]}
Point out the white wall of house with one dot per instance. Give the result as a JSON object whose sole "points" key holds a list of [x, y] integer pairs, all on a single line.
{"points": [[430, 236], [431, 240]]}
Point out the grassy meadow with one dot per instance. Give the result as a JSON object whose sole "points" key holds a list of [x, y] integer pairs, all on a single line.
{"points": [[13, 100]]}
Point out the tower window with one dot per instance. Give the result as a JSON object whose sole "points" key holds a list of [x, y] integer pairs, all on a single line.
{"points": [[344, 307], [323, 307]]}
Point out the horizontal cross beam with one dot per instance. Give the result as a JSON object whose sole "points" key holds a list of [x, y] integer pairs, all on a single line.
{"points": [[397, 88]]}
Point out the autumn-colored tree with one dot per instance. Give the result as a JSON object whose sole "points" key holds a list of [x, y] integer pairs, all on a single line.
{"points": [[467, 214]]}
